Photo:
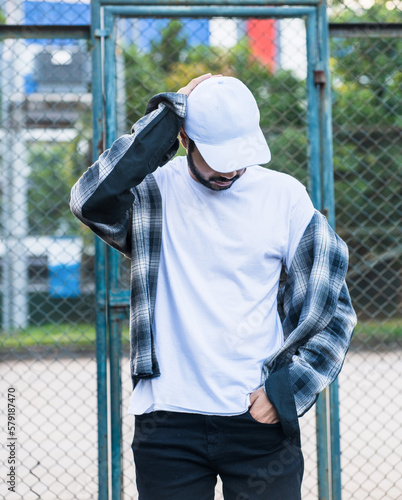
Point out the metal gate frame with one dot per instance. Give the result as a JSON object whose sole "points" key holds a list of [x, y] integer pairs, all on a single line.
{"points": [[112, 303]]}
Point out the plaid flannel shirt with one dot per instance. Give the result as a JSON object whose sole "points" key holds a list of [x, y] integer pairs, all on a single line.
{"points": [[122, 205]]}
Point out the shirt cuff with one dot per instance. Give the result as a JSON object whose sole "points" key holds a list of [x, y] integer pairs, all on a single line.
{"points": [[176, 102]]}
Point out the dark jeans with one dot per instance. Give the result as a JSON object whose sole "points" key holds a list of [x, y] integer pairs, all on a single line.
{"points": [[179, 455]]}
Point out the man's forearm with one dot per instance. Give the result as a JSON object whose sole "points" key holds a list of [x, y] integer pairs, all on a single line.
{"points": [[104, 194]]}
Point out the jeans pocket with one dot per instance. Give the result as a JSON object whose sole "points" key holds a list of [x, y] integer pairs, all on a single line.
{"points": [[275, 425]]}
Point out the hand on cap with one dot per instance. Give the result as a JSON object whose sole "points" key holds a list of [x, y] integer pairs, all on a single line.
{"points": [[194, 82]]}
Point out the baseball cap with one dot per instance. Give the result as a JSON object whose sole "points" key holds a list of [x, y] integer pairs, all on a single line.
{"points": [[223, 120]]}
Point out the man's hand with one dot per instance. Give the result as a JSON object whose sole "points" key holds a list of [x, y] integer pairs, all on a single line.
{"points": [[191, 86], [261, 408]]}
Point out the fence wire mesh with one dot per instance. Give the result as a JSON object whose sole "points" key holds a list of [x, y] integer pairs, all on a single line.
{"points": [[370, 11], [368, 178], [47, 335]]}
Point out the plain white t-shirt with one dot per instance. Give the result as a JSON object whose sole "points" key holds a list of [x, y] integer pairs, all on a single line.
{"points": [[216, 318]]}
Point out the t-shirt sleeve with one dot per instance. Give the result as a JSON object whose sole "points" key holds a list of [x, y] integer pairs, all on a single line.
{"points": [[301, 213]]}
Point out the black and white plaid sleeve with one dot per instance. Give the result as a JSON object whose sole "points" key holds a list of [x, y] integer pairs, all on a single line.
{"points": [[318, 321], [103, 197]]}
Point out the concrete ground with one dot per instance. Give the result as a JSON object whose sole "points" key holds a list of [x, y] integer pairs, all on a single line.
{"points": [[57, 429]]}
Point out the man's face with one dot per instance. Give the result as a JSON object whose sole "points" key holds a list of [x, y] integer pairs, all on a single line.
{"points": [[201, 172]]}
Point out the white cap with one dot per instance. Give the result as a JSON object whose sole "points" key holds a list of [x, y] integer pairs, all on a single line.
{"points": [[223, 120]]}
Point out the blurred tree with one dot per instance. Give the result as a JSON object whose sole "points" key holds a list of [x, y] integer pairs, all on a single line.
{"points": [[373, 11], [54, 168], [2, 21], [143, 78], [367, 73], [168, 50], [367, 125], [367, 120]]}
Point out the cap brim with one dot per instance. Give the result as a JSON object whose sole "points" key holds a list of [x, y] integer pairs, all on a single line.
{"points": [[236, 154]]}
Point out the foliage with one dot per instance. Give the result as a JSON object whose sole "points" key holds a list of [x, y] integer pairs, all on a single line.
{"points": [[367, 75], [367, 120], [289, 153], [354, 12], [62, 336], [54, 168], [83, 336], [168, 50], [142, 75]]}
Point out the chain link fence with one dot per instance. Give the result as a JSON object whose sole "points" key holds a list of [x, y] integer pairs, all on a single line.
{"points": [[47, 333], [368, 177]]}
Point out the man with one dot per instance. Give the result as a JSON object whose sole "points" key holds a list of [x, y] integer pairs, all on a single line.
{"points": [[222, 365]]}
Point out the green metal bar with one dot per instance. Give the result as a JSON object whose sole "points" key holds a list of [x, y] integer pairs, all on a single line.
{"points": [[113, 276], [115, 380], [115, 314], [100, 267], [313, 114], [329, 207], [101, 367], [97, 83], [322, 430], [336, 473], [206, 11], [209, 3], [119, 298], [110, 78], [366, 30], [329, 437], [115, 408], [38, 31], [326, 118]]}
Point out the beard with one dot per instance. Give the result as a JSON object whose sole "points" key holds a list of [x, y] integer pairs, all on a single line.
{"points": [[208, 182]]}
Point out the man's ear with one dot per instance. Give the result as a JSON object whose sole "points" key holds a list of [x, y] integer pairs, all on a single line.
{"points": [[183, 138]]}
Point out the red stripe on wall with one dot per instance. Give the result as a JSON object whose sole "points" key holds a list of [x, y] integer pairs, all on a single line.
{"points": [[262, 39]]}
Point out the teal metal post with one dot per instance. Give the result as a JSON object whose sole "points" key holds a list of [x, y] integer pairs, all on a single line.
{"points": [[328, 205], [315, 162], [115, 378], [336, 477], [113, 261], [207, 4], [328, 405], [100, 268], [322, 432], [329, 208], [313, 119], [204, 11], [101, 366]]}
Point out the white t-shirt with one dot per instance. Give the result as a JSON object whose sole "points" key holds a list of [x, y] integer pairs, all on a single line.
{"points": [[216, 318]]}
